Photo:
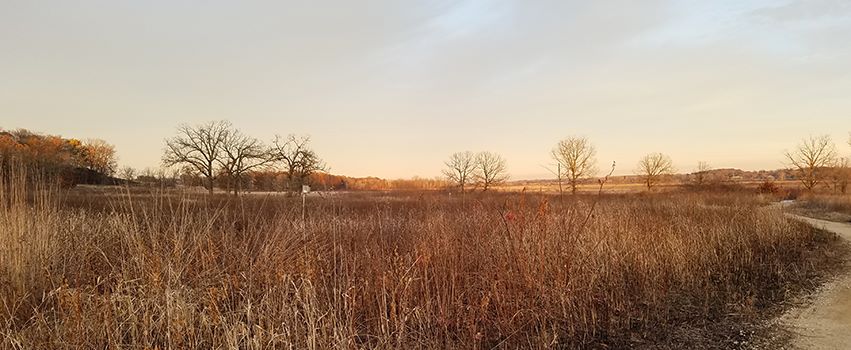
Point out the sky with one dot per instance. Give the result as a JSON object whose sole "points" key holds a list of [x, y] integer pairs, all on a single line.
{"points": [[391, 88]]}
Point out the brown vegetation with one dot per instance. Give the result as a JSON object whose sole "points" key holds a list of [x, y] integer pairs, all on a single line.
{"points": [[768, 187], [70, 160], [223, 155], [198, 148], [575, 160], [298, 159], [277, 181], [175, 270], [653, 167], [840, 176], [485, 169], [825, 206], [461, 169], [814, 160], [700, 175], [490, 170]]}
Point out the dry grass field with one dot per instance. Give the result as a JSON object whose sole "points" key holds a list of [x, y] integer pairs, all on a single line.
{"points": [[438, 174], [146, 269], [551, 187], [831, 207]]}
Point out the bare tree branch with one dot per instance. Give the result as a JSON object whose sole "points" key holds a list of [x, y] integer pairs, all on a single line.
{"points": [[841, 175], [812, 158], [299, 160], [576, 160], [128, 173], [460, 168], [199, 146], [490, 169], [701, 172], [241, 154], [653, 167]]}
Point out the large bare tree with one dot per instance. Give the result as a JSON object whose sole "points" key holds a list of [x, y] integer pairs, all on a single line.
{"points": [[575, 157], [653, 167], [199, 147], [813, 159], [460, 168], [298, 159], [240, 154], [490, 169]]}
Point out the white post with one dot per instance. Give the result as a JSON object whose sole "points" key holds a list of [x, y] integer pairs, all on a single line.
{"points": [[305, 189]]}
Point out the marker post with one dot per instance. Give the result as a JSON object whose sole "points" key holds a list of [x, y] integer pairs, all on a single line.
{"points": [[305, 189]]}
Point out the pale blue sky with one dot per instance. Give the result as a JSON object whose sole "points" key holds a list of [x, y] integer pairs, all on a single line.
{"points": [[391, 88]]}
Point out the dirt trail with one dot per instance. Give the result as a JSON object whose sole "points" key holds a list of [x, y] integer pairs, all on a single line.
{"points": [[825, 323]]}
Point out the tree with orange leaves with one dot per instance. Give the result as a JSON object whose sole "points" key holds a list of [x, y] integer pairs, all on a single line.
{"points": [[98, 155]]}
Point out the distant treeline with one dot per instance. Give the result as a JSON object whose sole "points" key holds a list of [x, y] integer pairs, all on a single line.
{"points": [[72, 161], [277, 181], [93, 161], [719, 176], [216, 154]]}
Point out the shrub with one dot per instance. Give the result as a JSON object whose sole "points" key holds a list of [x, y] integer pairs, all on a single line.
{"points": [[768, 187]]}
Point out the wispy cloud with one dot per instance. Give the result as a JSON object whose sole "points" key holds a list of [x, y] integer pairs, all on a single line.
{"points": [[387, 78]]}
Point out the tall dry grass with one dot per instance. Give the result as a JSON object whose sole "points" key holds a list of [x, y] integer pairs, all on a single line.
{"points": [[835, 207], [29, 242], [171, 270]]}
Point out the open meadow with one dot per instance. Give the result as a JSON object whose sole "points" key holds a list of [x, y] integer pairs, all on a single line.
{"points": [[130, 267], [431, 174]]}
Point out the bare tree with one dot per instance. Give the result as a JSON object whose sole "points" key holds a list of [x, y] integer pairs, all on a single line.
{"points": [[199, 147], [490, 169], [701, 173], [149, 173], [128, 173], [576, 160], [841, 175], [241, 154], [653, 167], [299, 160], [460, 168], [813, 159]]}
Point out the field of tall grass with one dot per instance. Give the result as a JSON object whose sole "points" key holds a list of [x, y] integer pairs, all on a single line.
{"points": [[833, 207], [162, 269]]}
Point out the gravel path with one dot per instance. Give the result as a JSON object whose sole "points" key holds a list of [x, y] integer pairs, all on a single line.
{"points": [[825, 323]]}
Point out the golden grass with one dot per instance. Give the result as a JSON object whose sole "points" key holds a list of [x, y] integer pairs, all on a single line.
{"points": [[834, 207], [366, 271]]}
